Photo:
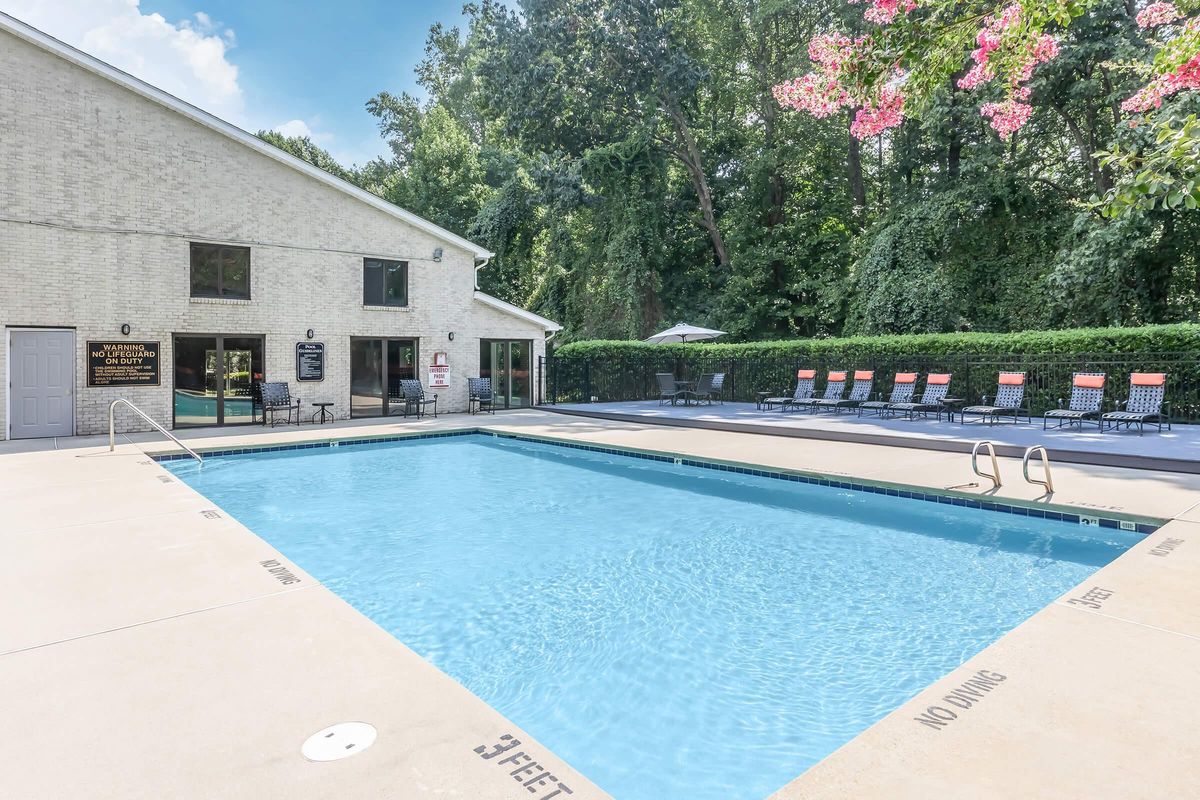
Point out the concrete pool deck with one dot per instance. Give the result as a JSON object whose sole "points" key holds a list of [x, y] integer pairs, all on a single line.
{"points": [[1176, 450], [148, 649]]}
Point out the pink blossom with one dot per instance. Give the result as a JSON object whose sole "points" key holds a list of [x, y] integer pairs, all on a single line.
{"points": [[875, 118], [978, 74], [1157, 14], [1044, 49], [830, 49], [1186, 76], [883, 12], [815, 93], [1007, 117]]}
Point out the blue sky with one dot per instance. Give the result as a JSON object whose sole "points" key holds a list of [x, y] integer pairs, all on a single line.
{"points": [[296, 65]]}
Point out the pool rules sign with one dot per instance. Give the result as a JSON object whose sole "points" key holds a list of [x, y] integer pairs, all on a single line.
{"points": [[122, 364]]}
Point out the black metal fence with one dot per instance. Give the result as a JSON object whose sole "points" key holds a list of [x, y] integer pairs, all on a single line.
{"points": [[591, 379]]}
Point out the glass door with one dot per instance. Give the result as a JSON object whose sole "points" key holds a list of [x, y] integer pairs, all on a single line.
{"points": [[376, 368], [507, 364], [214, 379]]}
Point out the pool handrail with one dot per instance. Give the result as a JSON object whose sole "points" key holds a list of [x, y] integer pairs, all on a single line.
{"points": [[995, 475], [112, 429], [1045, 457]]}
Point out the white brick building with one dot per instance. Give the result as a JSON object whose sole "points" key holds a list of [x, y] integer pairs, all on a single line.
{"points": [[123, 206]]}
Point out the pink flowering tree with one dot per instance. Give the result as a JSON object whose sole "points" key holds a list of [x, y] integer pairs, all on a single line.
{"points": [[910, 50]]}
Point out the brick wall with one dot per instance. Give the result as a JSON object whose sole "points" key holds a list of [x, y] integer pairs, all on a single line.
{"points": [[120, 185]]}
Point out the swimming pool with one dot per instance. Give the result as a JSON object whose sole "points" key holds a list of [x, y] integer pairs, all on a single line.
{"points": [[670, 631]]}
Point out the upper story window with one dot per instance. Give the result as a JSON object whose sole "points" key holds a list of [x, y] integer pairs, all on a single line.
{"points": [[219, 270], [385, 283]]}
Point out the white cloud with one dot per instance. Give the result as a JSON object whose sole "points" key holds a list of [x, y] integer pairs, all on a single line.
{"points": [[188, 59], [298, 127]]}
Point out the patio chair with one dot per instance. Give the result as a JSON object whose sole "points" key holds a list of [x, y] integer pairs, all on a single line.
{"points": [[933, 399], [1010, 401], [1145, 404], [864, 381], [479, 396], [902, 392], [804, 390], [835, 387], [1087, 399], [667, 390], [415, 400], [277, 399], [705, 388], [718, 387]]}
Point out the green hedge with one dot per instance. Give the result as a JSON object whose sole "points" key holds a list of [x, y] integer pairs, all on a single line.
{"points": [[1149, 339]]}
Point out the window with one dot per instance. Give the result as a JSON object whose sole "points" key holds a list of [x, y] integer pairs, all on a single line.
{"points": [[385, 283], [220, 271]]}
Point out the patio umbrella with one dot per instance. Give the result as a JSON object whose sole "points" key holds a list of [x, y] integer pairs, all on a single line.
{"points": [[684, 333]]}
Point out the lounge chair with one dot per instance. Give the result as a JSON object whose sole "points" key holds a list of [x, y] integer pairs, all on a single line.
{"points": [[835, 387], [902, 392], [277, 399], [480, 396], [1145, 404], [804, 390], [1010, 401], [705, 388], [864, 381], [415, 400], [667, 390], [1087, 399], [933, 399]]}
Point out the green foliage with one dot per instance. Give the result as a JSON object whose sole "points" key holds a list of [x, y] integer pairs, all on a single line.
{"points": [[1147, 339]]}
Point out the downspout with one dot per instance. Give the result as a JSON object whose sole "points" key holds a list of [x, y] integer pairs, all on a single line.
{"points": [[478, 267]]}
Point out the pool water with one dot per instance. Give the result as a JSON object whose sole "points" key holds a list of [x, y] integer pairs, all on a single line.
{"points": [[670, 631]]}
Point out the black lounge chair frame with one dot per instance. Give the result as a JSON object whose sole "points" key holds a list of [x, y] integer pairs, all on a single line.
{"points": [[834, 389], [902, 392], [933, 399], [1085, 405], [804, 391], [1010, 402], [1144, 406], [860, 393]]}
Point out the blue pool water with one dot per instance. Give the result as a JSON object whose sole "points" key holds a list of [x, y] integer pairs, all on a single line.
{"points": [[672, 632]]}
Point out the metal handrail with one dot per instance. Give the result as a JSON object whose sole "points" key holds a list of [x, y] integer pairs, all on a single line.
{"points": [[112, 429], [1049, 482], [995, 476]]}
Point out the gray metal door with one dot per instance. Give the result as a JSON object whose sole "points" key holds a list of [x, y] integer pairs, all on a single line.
{"points": [[41, 394]]}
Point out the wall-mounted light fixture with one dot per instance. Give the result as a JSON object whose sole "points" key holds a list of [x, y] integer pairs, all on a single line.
{"points": [[451, 335], [309, 333], [437, 254], [125, 329]]}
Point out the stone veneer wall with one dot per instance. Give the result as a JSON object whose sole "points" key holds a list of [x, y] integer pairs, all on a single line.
{"points": [[120, 186]]}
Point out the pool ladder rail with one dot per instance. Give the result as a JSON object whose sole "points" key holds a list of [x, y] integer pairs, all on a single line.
{"points": [[112, 429], [1030, 452]]}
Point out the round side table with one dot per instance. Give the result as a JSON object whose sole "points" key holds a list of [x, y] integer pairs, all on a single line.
{"points": [[323, 414]]}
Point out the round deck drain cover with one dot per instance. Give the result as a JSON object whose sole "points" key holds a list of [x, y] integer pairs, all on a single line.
{"points": [[339, 741]]}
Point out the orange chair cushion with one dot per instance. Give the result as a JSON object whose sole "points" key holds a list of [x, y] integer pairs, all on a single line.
{"points": [[1089, 381], [937, 378], [863, 375], [834, 377], [906, 377], [1148, 378], [1012, 378], [806, 374]]}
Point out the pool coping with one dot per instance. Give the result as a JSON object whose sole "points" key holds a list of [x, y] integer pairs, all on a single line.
{"points": [[1064, 513]]}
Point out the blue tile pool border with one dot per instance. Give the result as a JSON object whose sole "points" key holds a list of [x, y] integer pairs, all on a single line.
{"points": [[759, 472]]}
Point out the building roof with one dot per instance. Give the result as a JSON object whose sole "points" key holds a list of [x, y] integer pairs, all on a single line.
{"points": [[98, 67], [517, 311]]}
